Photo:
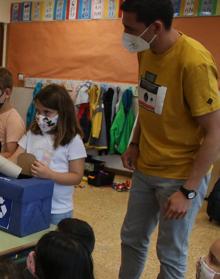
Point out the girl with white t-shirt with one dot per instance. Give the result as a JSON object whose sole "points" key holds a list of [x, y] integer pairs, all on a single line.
{"points": [[54, 139]]}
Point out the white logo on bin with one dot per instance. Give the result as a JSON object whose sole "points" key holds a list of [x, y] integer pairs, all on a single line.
{"points": [[3, 209]]}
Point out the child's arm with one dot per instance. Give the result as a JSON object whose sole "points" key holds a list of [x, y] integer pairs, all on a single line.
{"points": [[15, 155], [73, 177], [14, 130], [10, 148]]}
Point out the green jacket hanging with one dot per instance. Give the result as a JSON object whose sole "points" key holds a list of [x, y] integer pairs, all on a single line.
{"points": [[122, 125]]}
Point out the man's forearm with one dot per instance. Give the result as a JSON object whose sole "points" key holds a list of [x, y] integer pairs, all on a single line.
{"points": [[137, 132], [207, 155]]}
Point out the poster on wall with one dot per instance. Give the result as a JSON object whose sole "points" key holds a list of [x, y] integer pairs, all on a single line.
{"points": [[48, 10], [71, 13], [60, 10], [190, 7], [111, 8], [84, 9], [207, 7], [36, 14], [16, 11], [26, 11], [97, 9], [176, 6]]}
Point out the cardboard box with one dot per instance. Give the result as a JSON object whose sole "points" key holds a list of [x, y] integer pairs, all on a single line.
{"points": [[25, 205]]}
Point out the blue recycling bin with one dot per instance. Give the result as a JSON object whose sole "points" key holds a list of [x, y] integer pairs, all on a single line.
{"points": [[25, 205]]}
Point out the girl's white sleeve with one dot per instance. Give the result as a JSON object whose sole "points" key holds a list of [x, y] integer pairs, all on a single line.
{"points": [[76, 149], [23, 141]]}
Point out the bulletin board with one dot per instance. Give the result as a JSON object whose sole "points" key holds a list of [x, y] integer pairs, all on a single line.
{"points": [[89, 50], [77, 50]]}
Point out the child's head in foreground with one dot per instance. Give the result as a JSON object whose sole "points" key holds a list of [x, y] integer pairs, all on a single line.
{"points": [[208, 266]]}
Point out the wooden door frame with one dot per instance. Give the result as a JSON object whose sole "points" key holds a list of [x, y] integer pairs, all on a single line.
{"points": [[1, 42]]}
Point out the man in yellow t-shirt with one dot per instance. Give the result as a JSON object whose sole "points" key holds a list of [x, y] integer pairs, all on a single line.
{"points": [[175, 141]]}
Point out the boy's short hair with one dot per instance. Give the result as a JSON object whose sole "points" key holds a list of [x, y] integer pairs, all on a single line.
{"points": [[80, 231], [59, 255], [6, 79]]}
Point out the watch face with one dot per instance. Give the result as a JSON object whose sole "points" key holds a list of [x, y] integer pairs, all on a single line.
{"points": [[191, 195]]}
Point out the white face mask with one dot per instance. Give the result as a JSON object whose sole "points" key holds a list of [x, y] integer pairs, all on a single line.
{"points": [[136, 43], [46, 123], [204, 271]]}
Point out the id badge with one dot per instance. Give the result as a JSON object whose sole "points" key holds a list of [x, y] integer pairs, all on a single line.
{"points": [[151, 96]]}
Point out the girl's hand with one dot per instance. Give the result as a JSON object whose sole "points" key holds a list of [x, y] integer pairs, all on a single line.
{"points": [[39, 169]]}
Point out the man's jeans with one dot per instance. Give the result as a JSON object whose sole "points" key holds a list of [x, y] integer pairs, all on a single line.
{"points": [[146, 203]]}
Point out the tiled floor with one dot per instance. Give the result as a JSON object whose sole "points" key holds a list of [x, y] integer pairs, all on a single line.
{"points": [[104, 209]]}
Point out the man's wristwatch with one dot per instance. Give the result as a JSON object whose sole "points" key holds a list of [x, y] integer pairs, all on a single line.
{"points": [[189, 194]]}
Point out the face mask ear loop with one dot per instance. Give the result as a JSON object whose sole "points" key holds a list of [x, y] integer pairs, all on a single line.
{"points": [[144, 31], [154, 37]]}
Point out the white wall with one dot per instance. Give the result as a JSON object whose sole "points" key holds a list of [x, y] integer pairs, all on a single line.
{"points": [[5, 10], [21, 99]]}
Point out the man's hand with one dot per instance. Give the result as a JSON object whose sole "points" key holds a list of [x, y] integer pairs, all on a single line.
{"points": [[130, 156], [177, 206], [39, 169]]}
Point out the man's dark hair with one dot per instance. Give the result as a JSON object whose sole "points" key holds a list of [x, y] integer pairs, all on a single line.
{"points": [[148, 11]]}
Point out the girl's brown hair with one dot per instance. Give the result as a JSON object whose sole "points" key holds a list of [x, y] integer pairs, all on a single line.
{"points": [[56, 97]]}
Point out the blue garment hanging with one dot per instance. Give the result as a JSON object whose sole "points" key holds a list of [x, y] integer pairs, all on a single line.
{"points": [[31, 109]]}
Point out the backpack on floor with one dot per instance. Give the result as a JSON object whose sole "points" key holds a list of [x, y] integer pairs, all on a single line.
{"points": [[213, 208]]}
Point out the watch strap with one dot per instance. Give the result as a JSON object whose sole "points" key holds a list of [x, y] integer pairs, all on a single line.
{"points": [[189, 194]]}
